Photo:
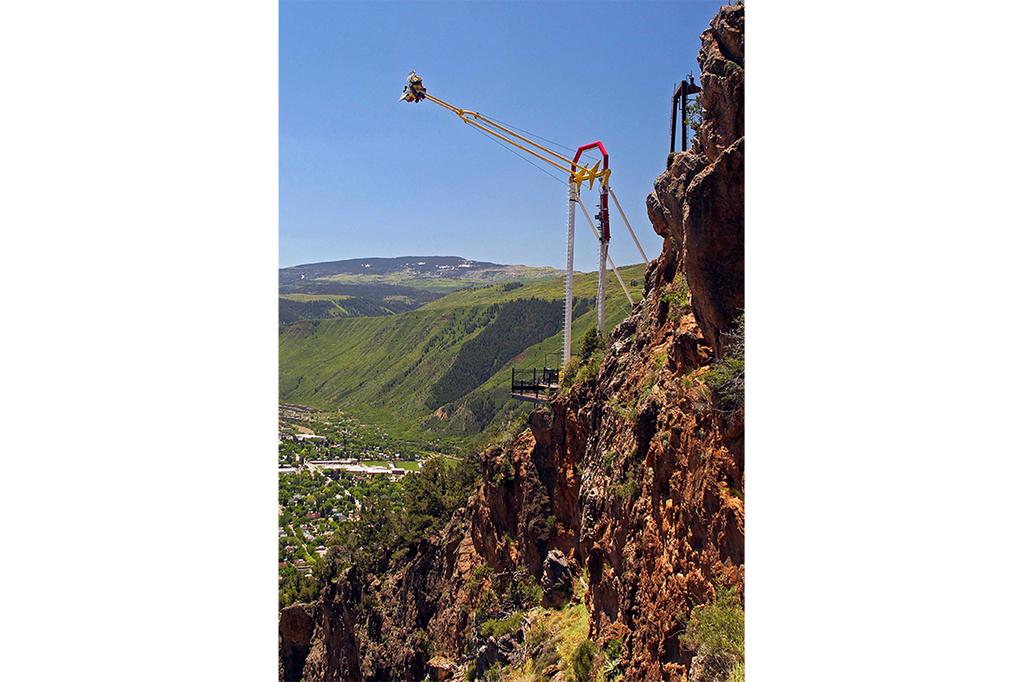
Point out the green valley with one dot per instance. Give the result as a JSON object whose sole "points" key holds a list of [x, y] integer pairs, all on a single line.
{"points": [[370, 287], [440, 373]]}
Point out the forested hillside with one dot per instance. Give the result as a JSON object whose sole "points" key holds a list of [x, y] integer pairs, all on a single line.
{"points": [[518, 324], [440, 372], [372, 287]]}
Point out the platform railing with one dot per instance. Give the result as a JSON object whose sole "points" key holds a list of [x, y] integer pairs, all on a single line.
{"points": [[535, 381]]}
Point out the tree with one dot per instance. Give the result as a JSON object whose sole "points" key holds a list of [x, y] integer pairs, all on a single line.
{"points": [[694, 114], [726, 378], [593, 341]]}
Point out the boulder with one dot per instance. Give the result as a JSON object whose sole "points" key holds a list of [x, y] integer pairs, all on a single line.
{"points": [[556, 580], [441, 668], [295, 630]]}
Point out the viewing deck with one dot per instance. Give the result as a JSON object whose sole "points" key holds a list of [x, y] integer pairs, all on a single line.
{"points": [[535, 385]]}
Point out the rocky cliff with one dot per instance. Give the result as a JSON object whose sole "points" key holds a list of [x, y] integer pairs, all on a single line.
{"points": [[629, 485]]}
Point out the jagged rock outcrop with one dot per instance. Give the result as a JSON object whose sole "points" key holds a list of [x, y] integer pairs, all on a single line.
{"points": [[378, 628], [295, 632], [556, 580], [634, 479], [698, 202]]}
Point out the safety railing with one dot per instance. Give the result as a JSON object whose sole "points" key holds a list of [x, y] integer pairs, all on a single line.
{"points": [[535, 382]]}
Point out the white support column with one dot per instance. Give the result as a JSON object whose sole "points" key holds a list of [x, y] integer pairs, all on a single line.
{"points": [[567, 327]]}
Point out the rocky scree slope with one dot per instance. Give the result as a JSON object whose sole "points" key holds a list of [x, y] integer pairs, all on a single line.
{"points": [[631, 481]]}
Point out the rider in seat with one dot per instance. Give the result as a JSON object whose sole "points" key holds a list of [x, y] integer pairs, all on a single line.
{"points": [[414, 90]]}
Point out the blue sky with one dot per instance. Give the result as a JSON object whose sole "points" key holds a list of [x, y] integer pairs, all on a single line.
{"points": [[362, 174]]}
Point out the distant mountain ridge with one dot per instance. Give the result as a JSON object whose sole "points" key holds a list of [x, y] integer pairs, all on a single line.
{"points": [[373, 287], [411, 267]]}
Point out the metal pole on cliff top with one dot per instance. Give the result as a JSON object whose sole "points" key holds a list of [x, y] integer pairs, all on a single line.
{"points": [[672, 130], [682, 115], [689, 88], [680, 98]]}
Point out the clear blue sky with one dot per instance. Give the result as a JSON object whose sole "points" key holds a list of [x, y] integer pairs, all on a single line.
{"points": [[363, 174]]}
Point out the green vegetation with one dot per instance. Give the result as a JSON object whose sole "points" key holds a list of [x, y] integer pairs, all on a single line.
{"points": [[552, 639], [524, 591], [503, 595], [480, 574], [324, 300], [313, 509], [555, 640], [374, 287], [515, 326], [612, 669], [623, 407], [628, 488], [504, 473], [716, 631], [694, 114], [295, 586], [421, 376], [583, 659], [408, 466], [499, 627], [434, 285], [584, 367], [593, 342], [551, 287], [305, 434], [400, 389], [330, 518], [394, 518], [726, 377], [677, 297]]}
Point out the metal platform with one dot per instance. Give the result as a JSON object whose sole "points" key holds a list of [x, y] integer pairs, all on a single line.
{"points": [[535, 385], [542, 398]]}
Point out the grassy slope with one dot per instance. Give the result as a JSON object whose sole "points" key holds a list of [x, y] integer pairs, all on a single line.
{"points": [[315, 297], [445, 285], [371, 295], [563, 631], [382, 369]]}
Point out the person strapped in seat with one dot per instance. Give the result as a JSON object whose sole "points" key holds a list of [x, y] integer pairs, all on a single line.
{"points": [[414, 90]]}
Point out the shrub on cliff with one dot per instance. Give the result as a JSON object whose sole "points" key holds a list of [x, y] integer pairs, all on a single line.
{"points": [[592, 342], [726, 377], [677, 300], [715, 631], [569, 373], [588, 371], [583, 661], [524, 591], [504, 472], [500, 627], [628, 488], [694, 114]]}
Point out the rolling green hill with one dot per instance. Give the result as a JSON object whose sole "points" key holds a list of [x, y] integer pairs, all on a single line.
{"points": [[319, 300], [371, 287], [441, 372]]}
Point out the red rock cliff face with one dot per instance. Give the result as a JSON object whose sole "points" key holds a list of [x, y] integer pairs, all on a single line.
{"points": [[697, 204], [636, 478]]}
